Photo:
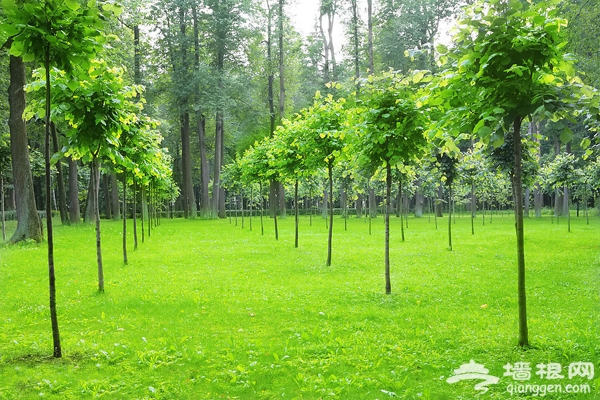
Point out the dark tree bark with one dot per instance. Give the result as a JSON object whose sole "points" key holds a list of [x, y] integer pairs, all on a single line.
{"points": [[134, 212], [74, 212], [419, 200], [29, 225], [91, 203], [518, 192], [204, 169]]}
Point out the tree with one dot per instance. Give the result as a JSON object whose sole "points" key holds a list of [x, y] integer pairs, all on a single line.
{"points": [[29, 224], [323, 142], [392, 134], [509, 62], [98, 108], [60, 34]]}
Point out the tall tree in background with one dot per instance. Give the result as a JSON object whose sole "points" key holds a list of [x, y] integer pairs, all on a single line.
{"points": [[29, 225]]}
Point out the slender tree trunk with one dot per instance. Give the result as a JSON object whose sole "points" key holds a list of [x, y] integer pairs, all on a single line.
{"points": [[400, 209], [296, 212], [449, 217], [107, 199], [144, 213], [262, 208], [250, 203], [57, 353], [473, 207], [518, 191], [419, 200], [62, 196], [94, 176], [114, 195], [135, 236], [276, 227], [2, 205], [217, 163], [526, 203], [204, 169], [370, 35], [125, 217], [186, 155], [74, 212], [29, 224], [388, 199], [330, 237]]}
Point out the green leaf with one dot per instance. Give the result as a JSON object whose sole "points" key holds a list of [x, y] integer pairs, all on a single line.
{"points": [[72, 4], [441, 49], [566, 135]]}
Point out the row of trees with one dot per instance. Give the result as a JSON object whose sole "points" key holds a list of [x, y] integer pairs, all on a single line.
{"points": [[508, 66], [101, 116]]}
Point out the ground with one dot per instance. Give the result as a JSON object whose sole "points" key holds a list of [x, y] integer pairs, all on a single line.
{"points": [[209, 310]]}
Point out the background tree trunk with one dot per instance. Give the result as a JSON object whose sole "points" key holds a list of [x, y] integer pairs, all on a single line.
{"points": [[114, 196], [388, 199], [74, 211], [29, 224], [107, 198], [60, 179]]}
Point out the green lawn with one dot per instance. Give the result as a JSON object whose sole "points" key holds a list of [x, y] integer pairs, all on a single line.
{"points": [[208, 310]]}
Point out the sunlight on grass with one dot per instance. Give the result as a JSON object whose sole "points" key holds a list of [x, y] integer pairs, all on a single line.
{"points": [[206, 309]]}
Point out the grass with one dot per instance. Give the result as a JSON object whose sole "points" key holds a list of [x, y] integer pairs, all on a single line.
{"points": [[208, 310]]}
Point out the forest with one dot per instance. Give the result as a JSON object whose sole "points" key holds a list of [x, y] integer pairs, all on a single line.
{"points": [[150, 139]]}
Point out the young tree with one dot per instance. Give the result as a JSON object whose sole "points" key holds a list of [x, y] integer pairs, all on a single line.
{"points": [[323, 142], [392, 134], [61, 34], [509, 63]]}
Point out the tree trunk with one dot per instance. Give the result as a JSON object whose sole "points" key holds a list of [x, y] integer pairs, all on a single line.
{"points": [[419, 200], [296, 212], [114, 196], [91, 205], [438, 203], [372, 203], [57, 353], [144, 213], [217, 163], [330, 236], [281, 199], [450, 217], [2, 205], [125, 218], [107, 198], [134, 212], [359, 206], [74, 212], [60, 179], [370, 36], [204, 169], [473, 208], [526, 203], [355, 38], [400, 210], [276, 227], [94, 174], [29, 225], [518, 192], [388, 199], [189, 199]]}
